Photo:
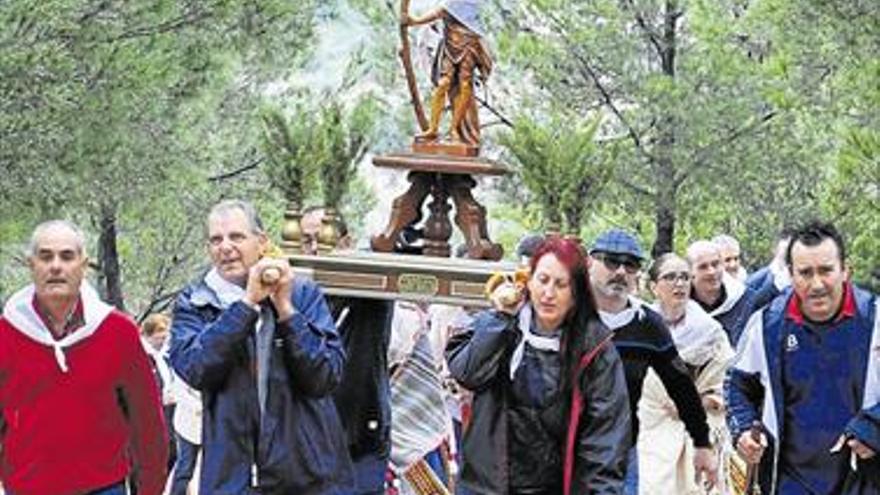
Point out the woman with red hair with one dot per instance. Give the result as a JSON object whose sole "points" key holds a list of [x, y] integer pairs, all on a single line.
{"points": [[550, 410]]}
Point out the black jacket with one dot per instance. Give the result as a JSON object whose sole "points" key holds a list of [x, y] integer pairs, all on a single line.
{"points": [[479, 359], [645, 342], [363, 396]]}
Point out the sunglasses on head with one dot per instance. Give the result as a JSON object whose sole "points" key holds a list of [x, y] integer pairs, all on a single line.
{"points": [[614, 261]]}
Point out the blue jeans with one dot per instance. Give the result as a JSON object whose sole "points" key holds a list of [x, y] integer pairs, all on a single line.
{"points": [[369, 475], [117, 489], [187, 453], [631, 481], [457, 428]]}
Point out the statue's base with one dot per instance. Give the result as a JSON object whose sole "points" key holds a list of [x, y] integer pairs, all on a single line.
{"points": [[448, 164], [400, 277], [442, 177], [447, 148]]}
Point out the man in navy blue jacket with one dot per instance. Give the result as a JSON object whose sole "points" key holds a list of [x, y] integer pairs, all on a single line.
{"points": [[725, 298], [262, 348], [808, 375]]}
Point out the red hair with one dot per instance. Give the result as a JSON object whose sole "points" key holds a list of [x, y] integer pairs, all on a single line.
{"points": [[568, 251], [577, 326]]}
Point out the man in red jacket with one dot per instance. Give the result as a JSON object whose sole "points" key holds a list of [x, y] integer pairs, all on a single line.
{"points": [[80, 407]]}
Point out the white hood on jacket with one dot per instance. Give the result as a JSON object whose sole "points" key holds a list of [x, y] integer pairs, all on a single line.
{"points": [[733, 290], [19, 311]]}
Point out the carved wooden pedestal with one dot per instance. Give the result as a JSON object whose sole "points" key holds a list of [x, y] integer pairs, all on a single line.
{"points": [[441, 177]]}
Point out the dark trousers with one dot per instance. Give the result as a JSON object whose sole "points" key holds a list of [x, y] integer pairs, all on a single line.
{"points": [[187, 453], [168, 411]]}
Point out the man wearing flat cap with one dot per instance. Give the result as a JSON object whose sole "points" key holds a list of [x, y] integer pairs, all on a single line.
{"points": [[643, 341]]}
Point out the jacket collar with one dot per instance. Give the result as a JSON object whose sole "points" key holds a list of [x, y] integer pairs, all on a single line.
{"points": [[19, 311], [213, 290], [634, 310]]}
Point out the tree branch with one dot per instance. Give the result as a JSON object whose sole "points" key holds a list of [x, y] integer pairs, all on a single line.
{"points": [[228, 175], [653, 36], [164, 27], [160, 297], [642, 191], [94, 11], [590, 74], [609, 102], [158, 304], [701, 155], [495, 112]]}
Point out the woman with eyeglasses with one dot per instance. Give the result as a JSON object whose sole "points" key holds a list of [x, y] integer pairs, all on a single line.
{"points": [[550, 408], [666, 455]]}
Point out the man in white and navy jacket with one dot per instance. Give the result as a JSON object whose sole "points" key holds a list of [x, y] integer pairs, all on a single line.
{"points": [[807, 375]]}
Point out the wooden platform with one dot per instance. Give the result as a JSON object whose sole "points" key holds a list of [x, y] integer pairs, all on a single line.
{"points": [[424, 162], [400, 277], [445, 148]]}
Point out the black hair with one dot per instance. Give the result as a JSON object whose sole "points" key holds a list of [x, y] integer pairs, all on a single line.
{"points": [[814, 233], [528, 244], [785, 233]]}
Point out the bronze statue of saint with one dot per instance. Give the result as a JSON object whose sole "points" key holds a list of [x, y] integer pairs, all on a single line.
{"points": [[461, 53]]}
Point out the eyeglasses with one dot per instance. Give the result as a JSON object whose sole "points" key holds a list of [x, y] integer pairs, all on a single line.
{"points": [[614, 261], [673, 277]]}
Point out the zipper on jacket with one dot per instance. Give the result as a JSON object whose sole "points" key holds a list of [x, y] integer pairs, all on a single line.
{"points": [[255, 476]]}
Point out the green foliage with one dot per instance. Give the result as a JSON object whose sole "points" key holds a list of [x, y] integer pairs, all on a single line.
{"points": [[122, 111], [291, 147], [854, 201], [343, 143], [716, 116], [321, 145], [559, 164], [728, 116]]}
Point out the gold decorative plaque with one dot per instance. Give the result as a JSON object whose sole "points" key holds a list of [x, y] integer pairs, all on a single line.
{"points": [[418, 283]]}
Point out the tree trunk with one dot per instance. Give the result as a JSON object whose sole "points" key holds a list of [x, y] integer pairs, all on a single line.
{"points": [[553, 214], [664, 217], [573, 215], [670, 19], [109, 282], [666, 187]]}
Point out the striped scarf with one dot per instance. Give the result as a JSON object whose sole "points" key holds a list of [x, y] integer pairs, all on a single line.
{"points": [[418, 407]]}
